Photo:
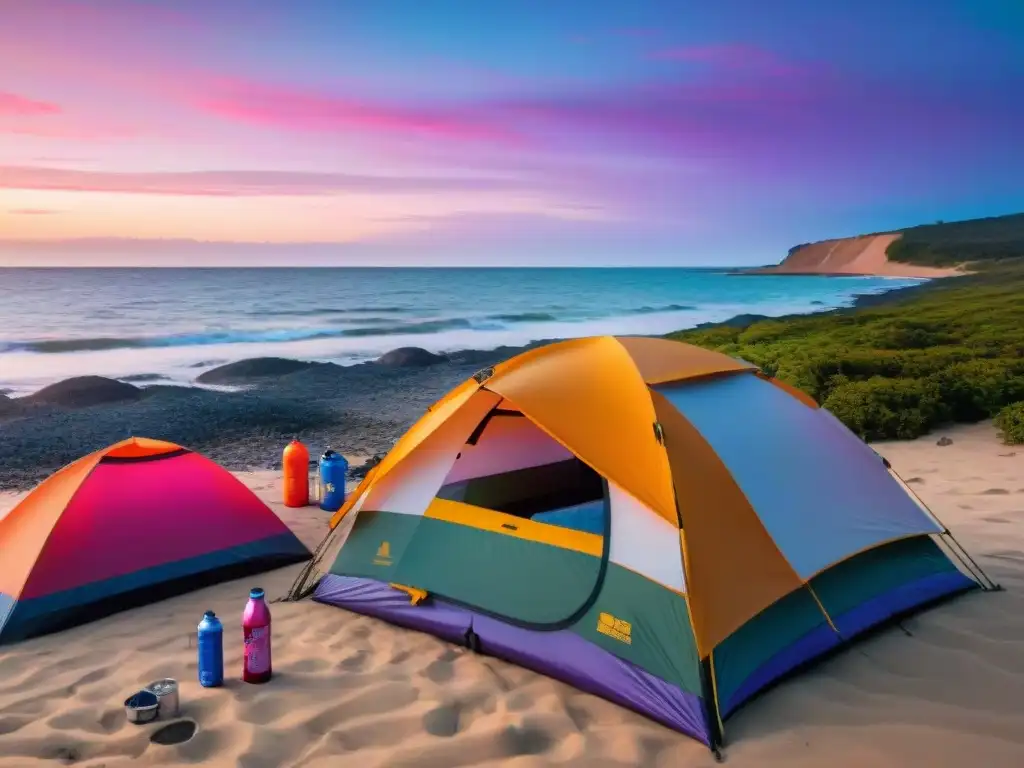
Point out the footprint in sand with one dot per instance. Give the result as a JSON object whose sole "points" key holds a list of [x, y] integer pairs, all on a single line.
{"points": [[915, 481], [443, 721], [381, 700], [580, 717], [174, 733], [525, 740], [84, 719], [995, 492], [400, 657], [520, 701], [13, 723], [309, 666], [355, 663], [265, 710], [440, 670]]}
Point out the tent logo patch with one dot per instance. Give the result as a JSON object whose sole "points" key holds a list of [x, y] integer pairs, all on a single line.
{"points": [[383, 556], [617, 629]]}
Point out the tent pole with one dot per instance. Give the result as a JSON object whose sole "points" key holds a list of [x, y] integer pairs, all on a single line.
{"points": [[991, 586], [976, 571]]}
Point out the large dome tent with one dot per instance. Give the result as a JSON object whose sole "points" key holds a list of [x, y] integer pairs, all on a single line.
{"points": [[656, 523]]}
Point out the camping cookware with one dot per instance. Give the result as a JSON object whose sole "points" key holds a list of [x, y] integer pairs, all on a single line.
{"points": [[142, 707], [166, 692]]}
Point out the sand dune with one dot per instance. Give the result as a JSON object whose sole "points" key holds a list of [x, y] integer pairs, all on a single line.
{"points": [[945, 690], [863, 255]]}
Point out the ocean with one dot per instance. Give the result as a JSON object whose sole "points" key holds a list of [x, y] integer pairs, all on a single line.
{"points": [[168, 325]]}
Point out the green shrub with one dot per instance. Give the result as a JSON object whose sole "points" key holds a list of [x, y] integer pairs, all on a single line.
{"points": [[950, 350], [977, 389], [1010, 422], [882, 408]]}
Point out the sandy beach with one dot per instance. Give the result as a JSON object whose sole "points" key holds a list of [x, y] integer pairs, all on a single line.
{"points": [[945, 689]]}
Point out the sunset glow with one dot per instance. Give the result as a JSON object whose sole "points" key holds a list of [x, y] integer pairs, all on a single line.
{"points": [[604, 133]]}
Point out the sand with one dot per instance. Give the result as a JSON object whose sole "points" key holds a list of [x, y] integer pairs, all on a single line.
{"points": [[864, 255], [352, 691]]}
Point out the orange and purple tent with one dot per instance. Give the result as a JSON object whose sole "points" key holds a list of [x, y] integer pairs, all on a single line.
{"points": [[656, 523], [135, 522]]}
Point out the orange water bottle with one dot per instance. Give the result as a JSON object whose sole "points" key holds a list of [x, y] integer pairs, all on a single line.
{"points": [[295, 464]]}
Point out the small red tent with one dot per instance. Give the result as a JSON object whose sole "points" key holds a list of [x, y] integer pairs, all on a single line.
{"points": [[133, 523]]}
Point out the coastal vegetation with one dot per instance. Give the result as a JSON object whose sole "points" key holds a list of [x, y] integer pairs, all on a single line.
{"points": [[1010, 421], [948, 244], [904, 363]]}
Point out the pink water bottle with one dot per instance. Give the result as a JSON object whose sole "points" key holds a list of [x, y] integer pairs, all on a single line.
{"points": [[256, 631]]}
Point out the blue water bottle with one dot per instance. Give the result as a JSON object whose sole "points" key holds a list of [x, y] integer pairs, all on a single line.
{"points": [[211, 651], [333, 473]]}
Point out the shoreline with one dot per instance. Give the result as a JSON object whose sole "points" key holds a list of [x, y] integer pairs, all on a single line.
{"points": [[244, 417]]}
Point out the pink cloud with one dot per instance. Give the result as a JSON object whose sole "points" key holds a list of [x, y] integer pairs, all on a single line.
{"points": [[33, 211], [302, 110], [234, 183], [11, 104], [732, 56]]}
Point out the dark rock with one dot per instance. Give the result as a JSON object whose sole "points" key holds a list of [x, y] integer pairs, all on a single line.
{"points": [[7, 405], [84, 391], [410, 357], [944, 441], [253, 368], [360, 472]]}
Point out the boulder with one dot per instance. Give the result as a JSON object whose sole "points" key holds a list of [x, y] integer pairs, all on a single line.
{"points": [[84, 391], [244, 371], [7, 405], [360, 472], [410, 357]]}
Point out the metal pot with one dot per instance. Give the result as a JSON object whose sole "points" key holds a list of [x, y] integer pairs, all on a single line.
{"points": [[142, 707], [166, 692]]}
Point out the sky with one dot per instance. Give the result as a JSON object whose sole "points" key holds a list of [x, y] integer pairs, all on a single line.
{"points": [[586, 132]]}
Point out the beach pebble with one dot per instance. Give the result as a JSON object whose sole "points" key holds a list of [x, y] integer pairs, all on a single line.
{"points": [[84, 391], [243, 371], [944, 441], [410, 357]]}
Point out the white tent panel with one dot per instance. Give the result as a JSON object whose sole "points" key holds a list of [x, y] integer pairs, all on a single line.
{"points": [[644, 541], [410, 487]]}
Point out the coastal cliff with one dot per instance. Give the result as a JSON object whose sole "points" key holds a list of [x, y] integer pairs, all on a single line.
{"points": [[861, 255]]}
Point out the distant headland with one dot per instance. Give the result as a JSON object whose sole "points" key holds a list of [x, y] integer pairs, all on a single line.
{"points": [[925, 251]]}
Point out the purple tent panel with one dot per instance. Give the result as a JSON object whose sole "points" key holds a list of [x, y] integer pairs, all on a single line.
{"points": [[562, 655]]}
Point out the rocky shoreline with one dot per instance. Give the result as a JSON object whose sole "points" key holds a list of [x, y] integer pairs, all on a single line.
{"points": [[356, 409]]}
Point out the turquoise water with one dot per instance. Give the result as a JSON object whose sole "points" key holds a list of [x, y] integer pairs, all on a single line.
{"points": [[168, 324]]}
